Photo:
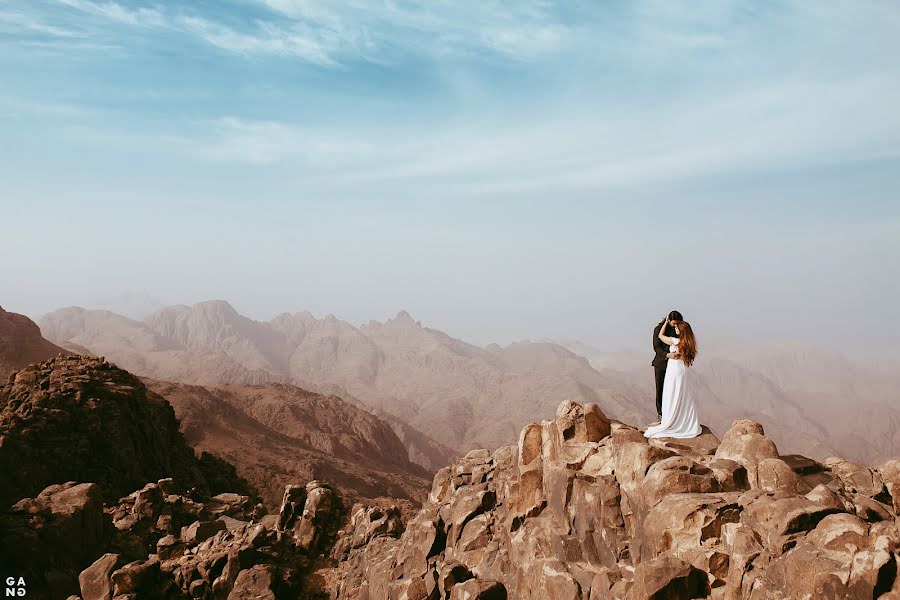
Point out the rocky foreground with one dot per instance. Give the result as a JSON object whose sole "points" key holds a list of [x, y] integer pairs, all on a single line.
{"points": [[582, 508], [586, 508]]}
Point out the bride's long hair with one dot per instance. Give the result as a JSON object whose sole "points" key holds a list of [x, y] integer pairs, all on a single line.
{"points": [[687, 344]]}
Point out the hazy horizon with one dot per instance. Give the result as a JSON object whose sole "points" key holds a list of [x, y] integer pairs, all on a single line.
{"points": [[533, 170]]}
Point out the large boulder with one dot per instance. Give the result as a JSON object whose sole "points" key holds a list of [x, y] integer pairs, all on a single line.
{"points": [[51, 538], [96, 581], [746, 443]]}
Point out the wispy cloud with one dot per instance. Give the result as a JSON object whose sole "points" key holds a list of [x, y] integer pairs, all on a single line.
{"points": [[792, 125], [642, 92], [22, 21], [329, 34], [518, 30], [267, 38], [263, 142], [146, 17]]}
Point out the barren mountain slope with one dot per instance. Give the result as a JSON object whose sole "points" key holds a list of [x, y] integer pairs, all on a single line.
{"points": [[276, 434], [136, 347], [21, 343], [459, 394]]}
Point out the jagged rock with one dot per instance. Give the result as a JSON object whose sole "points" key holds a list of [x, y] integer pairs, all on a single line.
{"points": [[826, 497], [674, 475], [50, 538], [732, 476], [367, 523], [702, 445], [291, 506], [95, 582], [745, 443], [890, 474], [478, 589], [685, 522], [200, 531], [668, 577], [321, 503], [259, 582], [566, 516], [140, 577], [778, 514], [774, 474], [857, 478]]}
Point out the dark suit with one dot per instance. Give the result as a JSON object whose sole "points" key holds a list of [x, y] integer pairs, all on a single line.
{"points": [[659, 363]]}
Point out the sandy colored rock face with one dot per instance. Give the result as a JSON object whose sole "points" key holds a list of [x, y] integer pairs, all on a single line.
{"points": [[617, 517]]}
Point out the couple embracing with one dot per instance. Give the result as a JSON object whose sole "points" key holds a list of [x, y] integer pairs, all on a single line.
{"points": [[676, 348]]}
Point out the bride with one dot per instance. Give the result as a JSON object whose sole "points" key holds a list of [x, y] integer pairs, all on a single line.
{"points": [[679, 417]]}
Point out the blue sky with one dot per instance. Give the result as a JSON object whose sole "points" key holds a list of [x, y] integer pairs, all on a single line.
{"points": [[500, 169]]}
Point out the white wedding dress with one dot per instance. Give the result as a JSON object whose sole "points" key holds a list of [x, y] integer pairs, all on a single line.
{"points": [[679, 417]]}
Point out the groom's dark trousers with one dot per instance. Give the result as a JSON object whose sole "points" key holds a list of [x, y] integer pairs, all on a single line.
{"points": [[659, 363]]}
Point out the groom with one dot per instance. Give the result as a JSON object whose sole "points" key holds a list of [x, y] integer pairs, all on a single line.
{"points": [[660, 359]]}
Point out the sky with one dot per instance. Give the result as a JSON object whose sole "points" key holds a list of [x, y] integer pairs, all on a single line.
{"points": [[501, 170]]}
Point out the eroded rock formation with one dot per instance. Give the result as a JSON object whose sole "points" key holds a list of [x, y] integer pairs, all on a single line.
{"points": [[585, 508], [74, 418]]}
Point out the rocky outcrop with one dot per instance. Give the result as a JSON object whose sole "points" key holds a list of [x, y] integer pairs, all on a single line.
{"points": [[48, 539], [586, 508], [74, 418], [226, 549]]}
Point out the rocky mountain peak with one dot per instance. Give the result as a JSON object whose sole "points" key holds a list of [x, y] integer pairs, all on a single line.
{"points": [[586, 507], [74, 418]]}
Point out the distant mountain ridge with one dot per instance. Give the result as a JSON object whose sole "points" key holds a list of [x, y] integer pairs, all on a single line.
{"points": [[459, 394], [451, 395], [811, 399], [273, 433]]}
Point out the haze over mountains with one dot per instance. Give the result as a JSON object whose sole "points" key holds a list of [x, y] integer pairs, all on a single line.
{"points": [[459, 394], [273, 433], [443, 395], [814, 400]]}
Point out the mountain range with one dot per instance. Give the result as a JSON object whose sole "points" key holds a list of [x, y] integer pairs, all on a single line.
{"points": [[583, 506], [274, 433], [457, 394], [444, 396]]}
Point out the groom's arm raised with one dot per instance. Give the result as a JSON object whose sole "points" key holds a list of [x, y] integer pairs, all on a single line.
{"points": [[662, 331]]}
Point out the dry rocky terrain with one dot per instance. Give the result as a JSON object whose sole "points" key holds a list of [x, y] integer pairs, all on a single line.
{"points": [[582, 507], [276, 434]]}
